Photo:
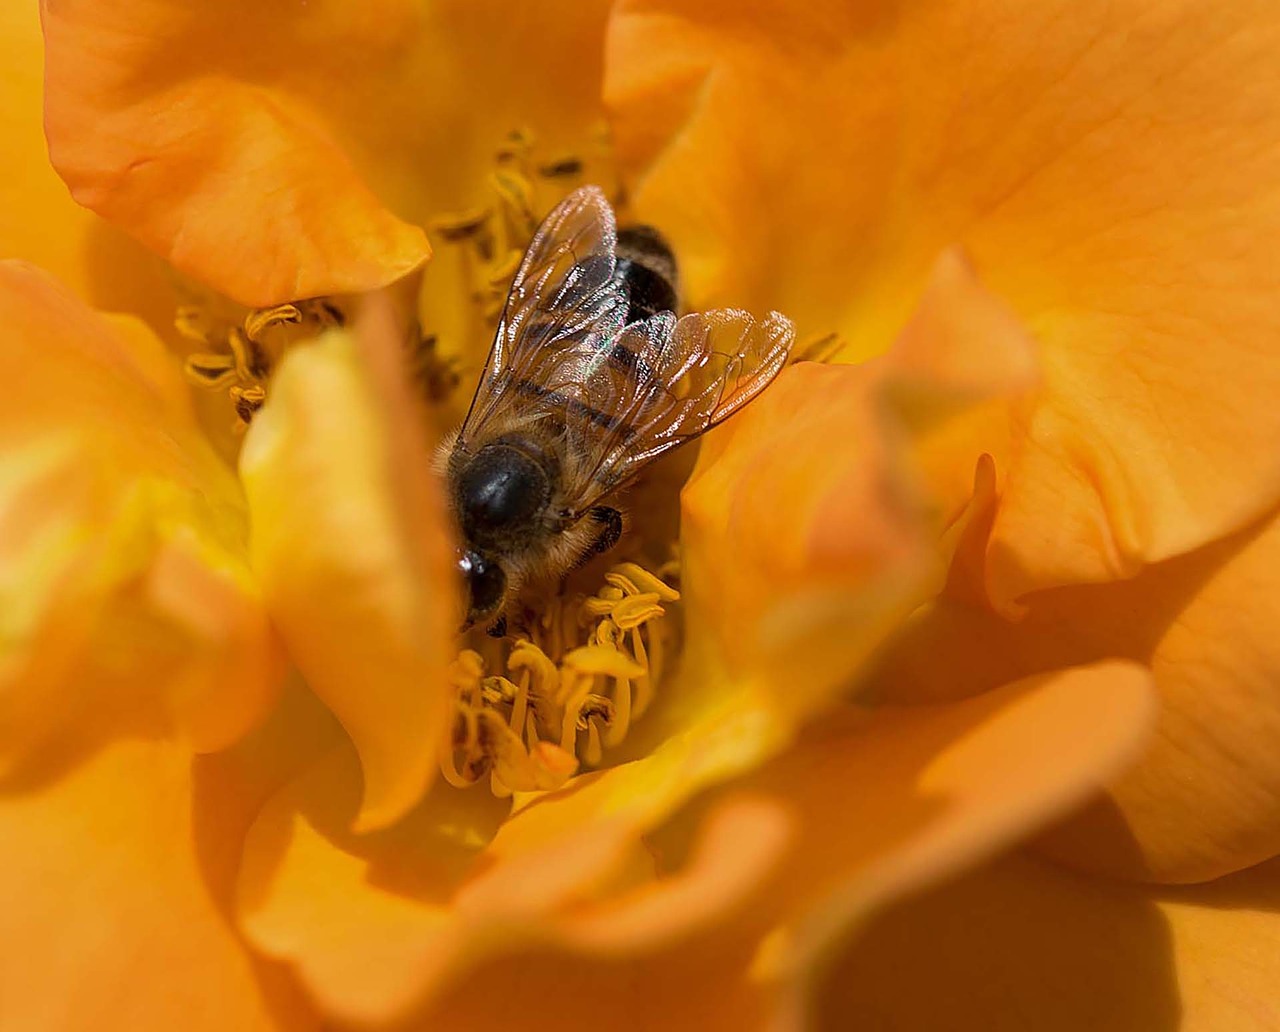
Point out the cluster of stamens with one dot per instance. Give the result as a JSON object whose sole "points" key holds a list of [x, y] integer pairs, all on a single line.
{"points": [[492, 237], [569, 688], [240, 357]]}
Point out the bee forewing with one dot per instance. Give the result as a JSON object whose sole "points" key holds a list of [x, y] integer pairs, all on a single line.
{"points": [[714, 363], [732, 356], [563, 294]]}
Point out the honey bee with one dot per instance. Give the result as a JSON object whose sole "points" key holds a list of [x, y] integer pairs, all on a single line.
{"points": [[590, 378]]}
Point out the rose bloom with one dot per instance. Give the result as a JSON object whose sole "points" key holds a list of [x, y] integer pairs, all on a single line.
{"points": [[942, 694]]}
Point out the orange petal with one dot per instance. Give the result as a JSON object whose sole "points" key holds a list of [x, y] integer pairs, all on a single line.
{"points": [[1113, 169], [109, 896], [796, 594], [1205, 797], [378, 928], [877, 467], [280, 155], [1019, 944], [39, 222], [960, 378], [128, 603], [349, 542]]}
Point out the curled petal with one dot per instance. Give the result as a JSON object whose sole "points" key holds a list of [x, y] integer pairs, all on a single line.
{"points": [[39, 223], [282, 155], [127, 600], [820, 516], [1204, 799], [960, 377], [350, 544], [452, 929], [233, 182], [799, 592]]}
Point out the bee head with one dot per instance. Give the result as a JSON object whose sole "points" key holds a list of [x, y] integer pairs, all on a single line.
{"points": [[486, 585]]}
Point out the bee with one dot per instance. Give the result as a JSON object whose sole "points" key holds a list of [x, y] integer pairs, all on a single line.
{"points": [[591, 377]]}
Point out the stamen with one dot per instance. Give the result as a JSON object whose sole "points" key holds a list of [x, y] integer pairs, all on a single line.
{"points": [[247, 401], [515, 199], [565, 693], [485, 743], [822, 348], [213, 371], [491, 237], [250, 363], [455, 228], [517, 148], [563, 168], [256, 322], [438, 375], [240, 358]]}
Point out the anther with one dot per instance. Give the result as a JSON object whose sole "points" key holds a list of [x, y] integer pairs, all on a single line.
{"points": [[243, 366], [257, 321], [822, 348], [564, 167], [462, 226], [210, 370], [247, 401], [571, 692]]}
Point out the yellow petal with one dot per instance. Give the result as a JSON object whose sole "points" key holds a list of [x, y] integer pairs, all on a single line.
{"points": [[279, 155], [349, 542], [112, 892], [1019, 944], [378, 927], [1205, 797], [39, 222], [1114, 170], [127, 601]]}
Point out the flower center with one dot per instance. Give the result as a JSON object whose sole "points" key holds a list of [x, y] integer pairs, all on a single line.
{"points": [[566, 687], [564, 690], [534, 707]]}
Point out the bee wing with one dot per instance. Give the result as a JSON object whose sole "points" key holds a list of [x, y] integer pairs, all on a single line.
{"points": [[615, 397], [664, 382], [563, 302]]}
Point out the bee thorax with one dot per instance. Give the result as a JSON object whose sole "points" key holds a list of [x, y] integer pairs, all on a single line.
{"points": [[501, 492]]}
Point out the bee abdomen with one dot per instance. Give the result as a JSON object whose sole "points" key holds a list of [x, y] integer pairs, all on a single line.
{"points": [[647, 265]]}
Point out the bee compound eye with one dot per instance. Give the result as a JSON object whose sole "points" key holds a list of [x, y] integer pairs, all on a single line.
{"points": [[485, 584]]}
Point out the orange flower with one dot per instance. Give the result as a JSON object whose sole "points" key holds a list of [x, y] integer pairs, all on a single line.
{"points": [[743, 815]]}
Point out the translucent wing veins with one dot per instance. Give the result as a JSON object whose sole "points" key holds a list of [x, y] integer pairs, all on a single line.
{"points": [[614, 396]]}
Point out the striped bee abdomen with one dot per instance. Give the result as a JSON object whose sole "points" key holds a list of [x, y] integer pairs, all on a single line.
{"points": [[647, 265]]}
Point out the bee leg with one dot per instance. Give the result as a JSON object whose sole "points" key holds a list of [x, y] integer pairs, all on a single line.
{"points": [[610, 521]]}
